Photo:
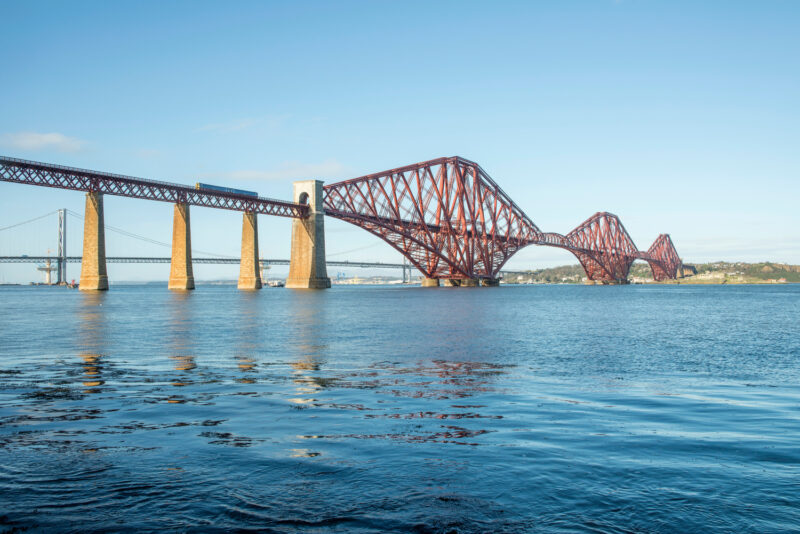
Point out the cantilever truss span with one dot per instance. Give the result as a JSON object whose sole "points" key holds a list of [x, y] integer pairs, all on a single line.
{"points": [[451, 220]]}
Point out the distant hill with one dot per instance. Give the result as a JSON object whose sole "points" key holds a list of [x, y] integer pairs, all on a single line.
{"points": [[719, 272]]}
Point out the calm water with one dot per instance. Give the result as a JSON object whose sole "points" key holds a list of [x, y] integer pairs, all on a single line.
{"points": [[512, 409]]}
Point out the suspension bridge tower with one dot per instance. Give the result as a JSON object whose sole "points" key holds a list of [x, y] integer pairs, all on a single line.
{"points": [[61, 261]]}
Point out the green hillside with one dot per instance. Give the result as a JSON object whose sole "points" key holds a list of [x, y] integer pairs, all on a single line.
{"points": [[709, 273]]}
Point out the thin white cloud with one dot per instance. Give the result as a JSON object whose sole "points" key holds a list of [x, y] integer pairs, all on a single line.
{"points": [[42, 141], [268, 123], [287, 171], [149, 153], [230, 126]]}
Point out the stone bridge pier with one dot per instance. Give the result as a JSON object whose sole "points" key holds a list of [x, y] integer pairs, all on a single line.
{"points": [[181, 276], [249, 268], [460, 282], [307, 268], [93, 264]]}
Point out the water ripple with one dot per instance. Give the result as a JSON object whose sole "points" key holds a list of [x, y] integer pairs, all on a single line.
{"points": [[531, 409]]}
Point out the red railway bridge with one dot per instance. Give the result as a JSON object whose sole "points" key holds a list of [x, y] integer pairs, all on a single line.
{"points": [[446, 216], [453, 222]]}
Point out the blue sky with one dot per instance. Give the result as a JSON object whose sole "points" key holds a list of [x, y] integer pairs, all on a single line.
{"points": [[680, 117]]}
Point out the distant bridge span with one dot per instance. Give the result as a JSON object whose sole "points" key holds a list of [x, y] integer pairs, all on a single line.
{"points": [[220, 261], [446, 216]]}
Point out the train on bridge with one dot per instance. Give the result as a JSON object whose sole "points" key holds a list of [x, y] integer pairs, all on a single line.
{"points": [[221, 189]]}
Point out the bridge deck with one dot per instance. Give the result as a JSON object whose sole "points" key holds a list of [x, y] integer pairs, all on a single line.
{"points": [[48, 175], [223, 261]]}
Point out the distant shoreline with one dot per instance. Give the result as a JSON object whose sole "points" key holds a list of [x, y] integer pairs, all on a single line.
{"points": [[720, 272]]}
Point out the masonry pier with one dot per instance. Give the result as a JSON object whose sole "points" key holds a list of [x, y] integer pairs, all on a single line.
{"points": [[307, 268], [93, 265], [249, 269], [180, 271], [460, 282]]}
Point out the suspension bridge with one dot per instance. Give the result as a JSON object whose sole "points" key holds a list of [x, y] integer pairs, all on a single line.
{"points": [[57, 264], [446, 216]]}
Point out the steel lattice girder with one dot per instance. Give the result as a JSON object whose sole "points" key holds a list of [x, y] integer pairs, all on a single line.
{"points": [[48, 175], [447, 216], [664, 260], [451, 220], [603, 247]]}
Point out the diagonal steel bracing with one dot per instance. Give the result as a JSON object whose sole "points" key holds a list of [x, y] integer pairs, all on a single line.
{"points": [[447, 216], [451, 220], [49, 175]]}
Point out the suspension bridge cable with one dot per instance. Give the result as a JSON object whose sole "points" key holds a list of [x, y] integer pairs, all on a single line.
{"points": [[160, 243], [124, 232], [28, 221], [354, 249], [147, 239]]}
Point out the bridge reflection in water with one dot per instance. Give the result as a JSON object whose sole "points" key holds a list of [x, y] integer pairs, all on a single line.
{"points": [[181, 333], [93, 340]]}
